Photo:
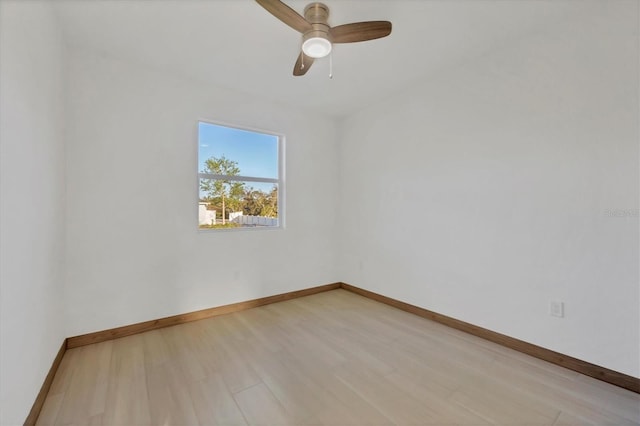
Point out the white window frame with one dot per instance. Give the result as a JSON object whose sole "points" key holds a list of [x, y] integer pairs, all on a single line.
{"points": [[280, 181]]}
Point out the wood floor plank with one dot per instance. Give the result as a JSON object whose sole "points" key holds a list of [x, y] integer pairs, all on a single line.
{"points": [[497, 411], [333, 358], [156, 349], [444, 411], [214, 404], [260, 407], [50, 409], [397, 405], [126, 400], [84, 395], [65, 372], [226, 351], [587, 418], [606, 403], [350, 408], [169, 400]]}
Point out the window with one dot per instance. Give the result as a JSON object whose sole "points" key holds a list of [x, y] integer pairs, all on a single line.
{"points": [[240, 178]]}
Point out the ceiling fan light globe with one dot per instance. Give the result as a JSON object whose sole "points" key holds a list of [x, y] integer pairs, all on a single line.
{"points": [[316, 47]]}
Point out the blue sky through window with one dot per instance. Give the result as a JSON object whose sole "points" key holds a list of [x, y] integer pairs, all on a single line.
{"points": [[255, 153]]}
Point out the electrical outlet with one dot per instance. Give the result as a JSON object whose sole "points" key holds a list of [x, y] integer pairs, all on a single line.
{"points": [[556, 309]]}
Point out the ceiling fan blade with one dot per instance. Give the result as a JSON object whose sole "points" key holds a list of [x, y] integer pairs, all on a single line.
{"points": [[360, 31], [286, 15], [298, 69]]}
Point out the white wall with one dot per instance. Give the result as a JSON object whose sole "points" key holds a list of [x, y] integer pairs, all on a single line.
{"points": [[482, 193], [31, 202], [132, 147]]}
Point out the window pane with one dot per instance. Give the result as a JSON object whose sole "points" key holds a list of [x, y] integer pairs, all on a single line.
{"points": [[245, 204], [226, 150]]}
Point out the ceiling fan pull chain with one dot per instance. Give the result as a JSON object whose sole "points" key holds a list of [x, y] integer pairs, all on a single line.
{"points": [[330, 65]]}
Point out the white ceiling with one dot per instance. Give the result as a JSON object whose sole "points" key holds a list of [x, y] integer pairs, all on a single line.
{"points": [[238, 45]]}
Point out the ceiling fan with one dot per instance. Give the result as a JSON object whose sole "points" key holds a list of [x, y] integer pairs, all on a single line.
{"points": [[317, 36]]}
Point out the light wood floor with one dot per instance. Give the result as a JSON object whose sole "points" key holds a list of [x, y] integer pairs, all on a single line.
{"points": [[334, 358]]}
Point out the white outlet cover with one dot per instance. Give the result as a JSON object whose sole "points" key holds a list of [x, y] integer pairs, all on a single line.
{"points": [[556, 309]]}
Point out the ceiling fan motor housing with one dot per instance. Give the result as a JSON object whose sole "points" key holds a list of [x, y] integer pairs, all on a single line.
{"points": [[317, 14]]}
